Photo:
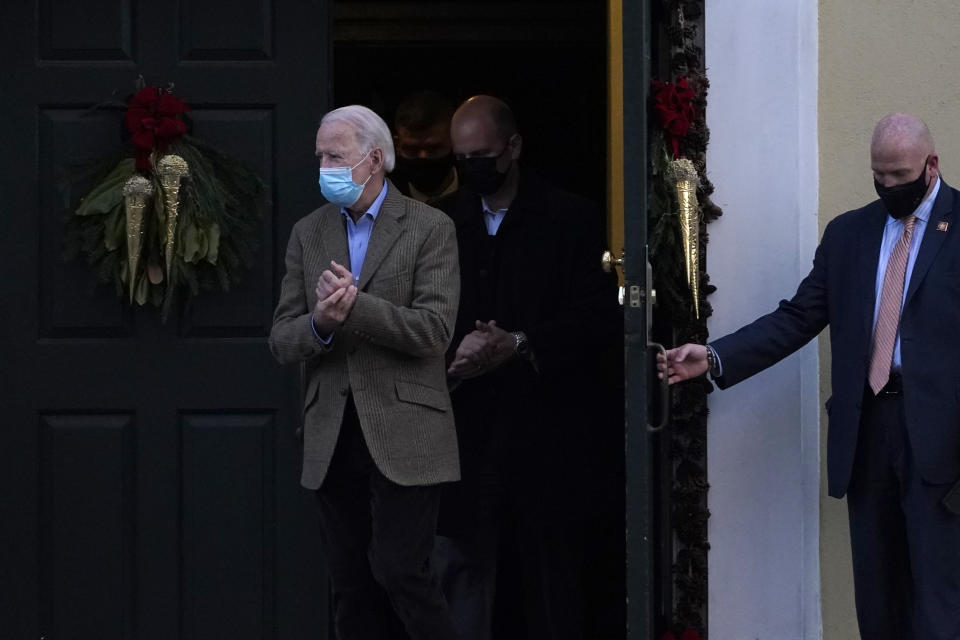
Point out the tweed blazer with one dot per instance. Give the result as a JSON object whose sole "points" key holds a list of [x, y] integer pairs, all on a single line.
{"points": [[389, 353]]}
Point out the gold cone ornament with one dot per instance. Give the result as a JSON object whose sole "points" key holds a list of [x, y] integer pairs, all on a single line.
{"points": [[684, 174], [136, 195], [171, 168]]}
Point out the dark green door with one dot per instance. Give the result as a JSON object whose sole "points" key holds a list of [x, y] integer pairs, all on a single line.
{"points": [[629, 75], [149, 470]]}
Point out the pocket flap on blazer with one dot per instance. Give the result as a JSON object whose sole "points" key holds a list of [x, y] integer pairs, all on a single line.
{"points": [[312, 391], [422, 394]]}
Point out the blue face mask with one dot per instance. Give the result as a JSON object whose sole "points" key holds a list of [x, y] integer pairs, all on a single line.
{"points": [[338, 187]]}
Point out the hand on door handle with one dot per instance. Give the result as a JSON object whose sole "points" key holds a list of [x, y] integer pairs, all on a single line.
{"points": [[684, 362], [664, 390]]}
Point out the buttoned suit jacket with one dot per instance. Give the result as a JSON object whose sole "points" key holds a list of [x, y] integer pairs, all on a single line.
{"points": [[841, 291], [389, 353]]}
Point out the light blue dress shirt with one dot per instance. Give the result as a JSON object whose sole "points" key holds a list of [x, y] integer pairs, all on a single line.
{"points": [[491, 218], [358, 239], [358, 233], [891, 234]]}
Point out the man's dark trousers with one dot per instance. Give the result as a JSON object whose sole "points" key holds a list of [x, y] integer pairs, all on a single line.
{"points": [[377, 538], [899, 530]]}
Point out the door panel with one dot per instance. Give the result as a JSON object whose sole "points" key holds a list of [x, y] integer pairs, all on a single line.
{"points": [[86, 489], [150, 470]]}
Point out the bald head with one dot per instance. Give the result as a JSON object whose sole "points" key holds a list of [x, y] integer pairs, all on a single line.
{"points": [[901, 150], [483, 134], [902, 130], [487, 112]]}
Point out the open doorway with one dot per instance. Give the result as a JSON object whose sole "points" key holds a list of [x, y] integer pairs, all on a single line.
{"points": [[548, 61]]}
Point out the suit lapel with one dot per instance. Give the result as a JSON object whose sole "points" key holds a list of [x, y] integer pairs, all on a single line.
{"points": [[333, 240], [932, 238], [868, 258], [386, 231]]}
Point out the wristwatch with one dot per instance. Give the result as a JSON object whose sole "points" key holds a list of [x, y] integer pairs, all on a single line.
{"points": [[522, 346], [713, 362]]}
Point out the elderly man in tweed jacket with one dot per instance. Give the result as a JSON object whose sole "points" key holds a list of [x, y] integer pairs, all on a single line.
{"points": [[368, 302]]}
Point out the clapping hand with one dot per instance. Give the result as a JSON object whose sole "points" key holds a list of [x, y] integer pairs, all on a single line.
{"points": [[482, 350], [336, 295]]}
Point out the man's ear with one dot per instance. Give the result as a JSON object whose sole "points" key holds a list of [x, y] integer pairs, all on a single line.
{"points": [[516, 146], [376, 155]]}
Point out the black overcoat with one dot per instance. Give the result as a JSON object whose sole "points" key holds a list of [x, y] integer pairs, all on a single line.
{"points": [[551, 437]]}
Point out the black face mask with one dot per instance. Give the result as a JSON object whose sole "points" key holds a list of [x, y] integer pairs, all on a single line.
{"points": [[903, 199], [480, 173], [426, 174]]}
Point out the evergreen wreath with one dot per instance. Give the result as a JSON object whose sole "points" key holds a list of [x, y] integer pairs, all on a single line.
{"points": [[167, 212]]}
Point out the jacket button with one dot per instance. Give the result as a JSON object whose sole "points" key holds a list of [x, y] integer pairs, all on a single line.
{"points": [[344, 391]]}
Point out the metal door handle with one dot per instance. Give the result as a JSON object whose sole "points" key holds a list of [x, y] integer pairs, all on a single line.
{"points": [[664, 394], [609, 262]]}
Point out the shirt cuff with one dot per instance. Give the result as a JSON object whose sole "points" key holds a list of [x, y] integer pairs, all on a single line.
{"points": [[316, 335], [717, 370]]}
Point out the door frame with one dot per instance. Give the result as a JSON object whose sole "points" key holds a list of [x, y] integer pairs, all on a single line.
{"points": [[629, 79]]}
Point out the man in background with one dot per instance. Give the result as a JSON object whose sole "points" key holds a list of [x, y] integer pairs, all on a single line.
{"points": [[534, 367], [425, 169]]}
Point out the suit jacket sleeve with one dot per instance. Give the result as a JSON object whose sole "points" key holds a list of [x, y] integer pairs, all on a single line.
{"points": [[426, 326], [769, 339], [291, 337]]}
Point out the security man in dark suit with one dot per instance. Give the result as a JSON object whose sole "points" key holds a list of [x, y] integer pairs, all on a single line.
{"points": [[886, 278], [534, 366]]}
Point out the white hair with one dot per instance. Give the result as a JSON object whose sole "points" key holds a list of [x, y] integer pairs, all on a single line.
{"points": [[371, 131]]}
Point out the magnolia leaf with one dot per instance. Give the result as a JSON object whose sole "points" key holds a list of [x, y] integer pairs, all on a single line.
{"points": [[154, 273], [203, 243], [105, 197], [108, 224], [190, 244], [114, 229], [213, 249], [141, 293]]}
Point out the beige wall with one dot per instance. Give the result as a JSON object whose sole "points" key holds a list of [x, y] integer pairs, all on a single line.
{"points": [[876, 57]]}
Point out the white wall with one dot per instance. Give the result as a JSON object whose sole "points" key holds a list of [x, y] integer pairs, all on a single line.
{"points": [[763, 433]]}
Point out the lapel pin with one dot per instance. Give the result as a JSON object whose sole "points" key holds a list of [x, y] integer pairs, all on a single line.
{"points": [[942, 225]]}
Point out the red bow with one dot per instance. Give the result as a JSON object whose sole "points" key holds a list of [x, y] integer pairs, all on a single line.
{"points": [[674, 105], [153, 117]]}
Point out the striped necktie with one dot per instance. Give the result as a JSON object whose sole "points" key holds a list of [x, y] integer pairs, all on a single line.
{"points": [[888, 318]]}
